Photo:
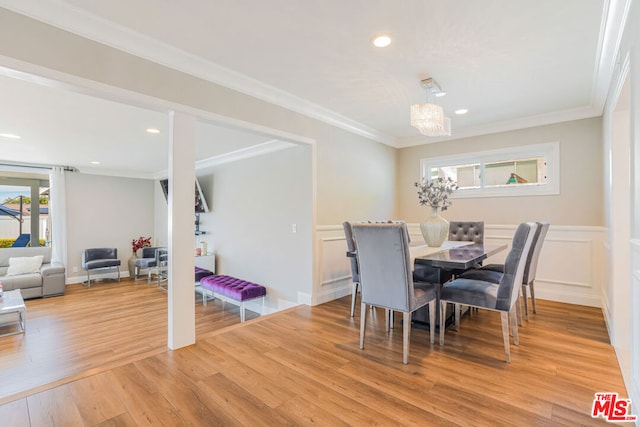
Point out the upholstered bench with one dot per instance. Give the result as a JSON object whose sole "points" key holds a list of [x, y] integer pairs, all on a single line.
{"points": [[201, 273], [231, 289]]}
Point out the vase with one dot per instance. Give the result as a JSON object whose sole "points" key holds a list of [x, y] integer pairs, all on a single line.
{"points": [[131, 265], [435, 229]]}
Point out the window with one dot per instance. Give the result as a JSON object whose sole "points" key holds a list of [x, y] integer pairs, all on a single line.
{"points": [[517, 171], [24, 213]]}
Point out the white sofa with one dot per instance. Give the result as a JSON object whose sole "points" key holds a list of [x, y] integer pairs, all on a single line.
{"points": [[48, 280]]}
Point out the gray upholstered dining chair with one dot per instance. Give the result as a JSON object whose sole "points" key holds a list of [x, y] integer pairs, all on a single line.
{"points": [[386, 279], [355, 273], [494, 272], [502, 296], [466, 231]]}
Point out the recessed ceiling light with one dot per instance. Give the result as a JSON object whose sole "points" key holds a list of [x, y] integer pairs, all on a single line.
{"points": [[10, 136], [153, 130], [461, 111], [381, 40], [95, 162]]}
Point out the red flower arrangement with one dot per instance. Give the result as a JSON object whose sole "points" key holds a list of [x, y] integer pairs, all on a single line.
{"points": [[140, 242]]}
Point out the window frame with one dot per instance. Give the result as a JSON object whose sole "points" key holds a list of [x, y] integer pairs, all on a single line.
{"points": [[550, 151]]}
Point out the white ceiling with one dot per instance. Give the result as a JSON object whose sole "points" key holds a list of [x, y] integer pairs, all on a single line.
{"points": [[512, 63]]}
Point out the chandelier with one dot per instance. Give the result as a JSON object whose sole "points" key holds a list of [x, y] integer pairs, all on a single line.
{"points": [[429, 118]]}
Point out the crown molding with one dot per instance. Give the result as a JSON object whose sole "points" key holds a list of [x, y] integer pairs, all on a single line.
{"points": [[244, 153], [82, 23], [234, 156], [614, 17]]}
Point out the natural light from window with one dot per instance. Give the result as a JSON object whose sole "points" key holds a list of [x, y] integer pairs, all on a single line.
{"points": [[515, 171]]}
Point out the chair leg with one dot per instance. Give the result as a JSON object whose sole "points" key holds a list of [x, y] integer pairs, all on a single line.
{"points": [[456, 310], [519, 309], [432, 321], [363, 321], [526, 303], [354, 291], [406, 332], [443, 309], [533, 297], [514, 327], [504, 317], [88, 278], [118, 274]]}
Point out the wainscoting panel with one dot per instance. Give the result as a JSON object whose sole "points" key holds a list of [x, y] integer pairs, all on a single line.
{"points": [[570, 269], [334, 275]]}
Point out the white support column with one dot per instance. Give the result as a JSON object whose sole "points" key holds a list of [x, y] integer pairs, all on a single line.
{"points": [[181, 295]]}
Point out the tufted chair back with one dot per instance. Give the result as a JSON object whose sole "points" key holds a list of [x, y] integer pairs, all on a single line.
{"points": [[466, 231]]}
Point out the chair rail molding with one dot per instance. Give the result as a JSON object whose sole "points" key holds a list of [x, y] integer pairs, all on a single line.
{"points": [[571, 267]]}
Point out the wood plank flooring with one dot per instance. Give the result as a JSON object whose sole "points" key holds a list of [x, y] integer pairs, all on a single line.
{"points": [[98, 357]]}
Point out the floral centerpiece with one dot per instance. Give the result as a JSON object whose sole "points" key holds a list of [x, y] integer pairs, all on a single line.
{"points": [[139, 243], [435, 193]]}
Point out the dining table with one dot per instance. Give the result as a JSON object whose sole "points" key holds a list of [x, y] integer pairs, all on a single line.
{"points": [[452, 255], [449, 259]]}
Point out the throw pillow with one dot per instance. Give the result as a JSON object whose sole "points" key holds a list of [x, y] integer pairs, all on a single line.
{"points": [[24, 265]]}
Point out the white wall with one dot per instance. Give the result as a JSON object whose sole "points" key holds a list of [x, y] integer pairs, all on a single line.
{"points": [[106, 211]]}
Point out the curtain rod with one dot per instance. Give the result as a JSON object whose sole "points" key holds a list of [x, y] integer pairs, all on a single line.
{"points": [[38, 166]]}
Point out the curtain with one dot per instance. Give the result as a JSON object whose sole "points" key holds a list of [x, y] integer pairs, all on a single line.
{"points": [[58, 214]]}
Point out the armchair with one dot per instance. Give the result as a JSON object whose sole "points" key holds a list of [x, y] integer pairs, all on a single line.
{"points": [[100, 259], [148, 261]]}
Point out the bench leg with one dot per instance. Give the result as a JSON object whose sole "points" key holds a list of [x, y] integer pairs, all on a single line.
{"points": [[241, 311]]}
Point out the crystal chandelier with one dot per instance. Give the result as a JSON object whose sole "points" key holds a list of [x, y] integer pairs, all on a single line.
{"points": [[429, 118]]}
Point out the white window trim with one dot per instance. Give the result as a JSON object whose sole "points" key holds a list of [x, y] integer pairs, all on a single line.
{"points": [[550, 151]]}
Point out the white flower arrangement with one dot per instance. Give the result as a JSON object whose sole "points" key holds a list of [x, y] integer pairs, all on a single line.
{"points": [[436, 192]]}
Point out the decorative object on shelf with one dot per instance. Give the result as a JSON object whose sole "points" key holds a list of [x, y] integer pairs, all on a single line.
{"points": [[435, 193], [429, 117], [136, 245]]}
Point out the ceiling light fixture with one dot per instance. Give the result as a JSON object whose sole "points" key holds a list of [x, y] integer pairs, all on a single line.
{"points": [[10, 136], [94, 162], [429, 118], [381, 40], [153, 130], [461, 111]]}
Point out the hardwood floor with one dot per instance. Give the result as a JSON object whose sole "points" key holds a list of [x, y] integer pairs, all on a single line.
{"points": [[98, 357]]}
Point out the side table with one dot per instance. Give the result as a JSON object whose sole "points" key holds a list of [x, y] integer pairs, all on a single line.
{"points": [[12, 303]]}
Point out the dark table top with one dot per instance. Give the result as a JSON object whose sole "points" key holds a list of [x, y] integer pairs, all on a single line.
{"points": [[460, 258]]}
